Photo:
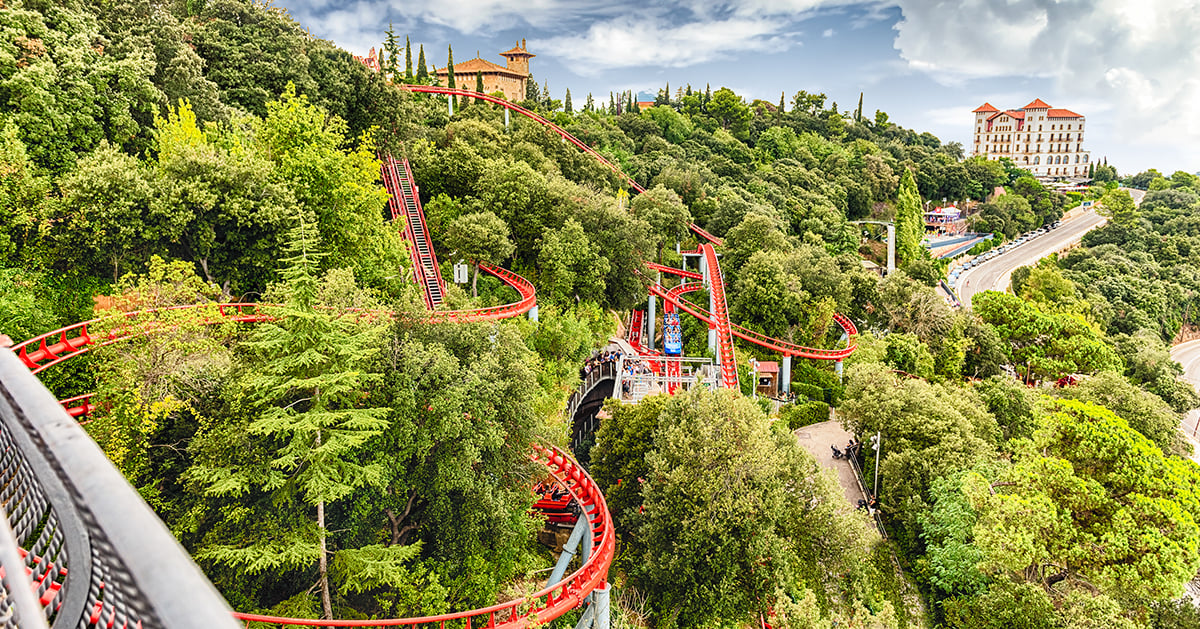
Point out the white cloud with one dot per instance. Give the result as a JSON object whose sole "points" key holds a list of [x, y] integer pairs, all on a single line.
{"points": [[1143, 58], [652, 40], [829, 32]]}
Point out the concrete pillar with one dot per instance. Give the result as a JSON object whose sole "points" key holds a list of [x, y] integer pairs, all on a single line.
{"points": [[786, 374], [450, 104], [650, 310], [506, 120], [891, 254], [837, 369], [533, 314]]}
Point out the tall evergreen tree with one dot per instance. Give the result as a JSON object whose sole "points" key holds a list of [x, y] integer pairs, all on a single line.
{"points": [[479, 81], [633, 104], [779, 110], [910, 225], [590, 105], [408, 69], [393, 53], [422, 71], [544, 97], [707, 93], [858, 112], [612, 104], [450, 70], [689, 90], [310, 369], [567, 102], [531, 89]]}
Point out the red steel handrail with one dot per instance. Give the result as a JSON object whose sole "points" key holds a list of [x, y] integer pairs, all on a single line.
{"points": [[692, 275]]}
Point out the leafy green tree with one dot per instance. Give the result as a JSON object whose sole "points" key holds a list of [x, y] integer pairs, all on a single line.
{"points": [[1044, 345], [24, 313], [910, 223], [481, 238], [1118, 206], [1143, 411], [1090, 502], [571, 265], [666, 214], [730, 111], [732, 509]]}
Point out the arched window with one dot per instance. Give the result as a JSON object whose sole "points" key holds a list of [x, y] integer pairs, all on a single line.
{"points": [[1035, 159], [1076, 159], [1085, 159], [1058, 159]]}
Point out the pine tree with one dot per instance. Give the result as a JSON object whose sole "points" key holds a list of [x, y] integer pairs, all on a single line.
{"points": [[689, 89], [707, 93], [393, 53], [779, 110], [910, 226], [310, 369], [633, 104], [408, 71], [422, 72], [382, 60], [567, 102], [612, 104], [858, 112], [590, 106], [544, 97]]}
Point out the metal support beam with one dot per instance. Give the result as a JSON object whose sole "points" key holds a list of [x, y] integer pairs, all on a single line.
{"points": [[891, 260], [506, 118], [600, 601], [786, 374], [450, 105], [650, 311], [564, 560]]}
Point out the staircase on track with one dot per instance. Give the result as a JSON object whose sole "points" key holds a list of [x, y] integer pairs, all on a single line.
{"points": [[404, 202]]}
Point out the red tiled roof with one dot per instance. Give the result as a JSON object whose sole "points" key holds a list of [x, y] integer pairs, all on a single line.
{"points": [[1037, 104], [768, 366], [1012, 113], [985, 108], [471, 66], [516, 50], [1062, 113]]}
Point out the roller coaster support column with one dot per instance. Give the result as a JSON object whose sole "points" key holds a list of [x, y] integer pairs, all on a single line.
{"points": [[450, 105], [649, 340], [786, 374], [891, 235], [533, 315], [596, 616], [582, 528], [837, 369], [506, 120]]}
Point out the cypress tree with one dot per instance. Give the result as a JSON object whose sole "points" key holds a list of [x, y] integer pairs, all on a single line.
{"points": [[612, 104], [779, 109], [450, 69], [382, 59], [422, 72], [910, 227], [408, 73], [858, 112], [544, 97], [707, 93], [633, 104], [567, 102], [591, 103], [689, 90], [479, 81]]}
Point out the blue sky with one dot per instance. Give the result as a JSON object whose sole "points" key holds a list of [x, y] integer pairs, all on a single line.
{"points": [[1132, 67]]}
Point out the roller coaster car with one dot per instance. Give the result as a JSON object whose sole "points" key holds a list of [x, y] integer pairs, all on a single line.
{"points": [[556, 503]]}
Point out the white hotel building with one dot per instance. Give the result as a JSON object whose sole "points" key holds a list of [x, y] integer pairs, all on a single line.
{"points": [[1037, 137]]}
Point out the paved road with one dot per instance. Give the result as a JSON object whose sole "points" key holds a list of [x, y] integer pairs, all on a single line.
{"points": [[1188, 355], [995, 274]]}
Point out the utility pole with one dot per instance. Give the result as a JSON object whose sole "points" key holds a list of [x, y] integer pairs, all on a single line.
{"points": [[877, 443]]}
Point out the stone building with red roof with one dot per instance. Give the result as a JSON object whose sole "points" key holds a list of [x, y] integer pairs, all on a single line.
{"points": [[1037, 137], [510, 79]]}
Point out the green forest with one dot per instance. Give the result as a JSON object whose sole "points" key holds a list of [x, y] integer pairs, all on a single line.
{"points": [[348, 459]]}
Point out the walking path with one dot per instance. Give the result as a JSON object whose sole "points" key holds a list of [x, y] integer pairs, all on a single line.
{"points": [[816, 439]]}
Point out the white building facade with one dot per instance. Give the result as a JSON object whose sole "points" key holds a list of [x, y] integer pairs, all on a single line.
{"points": [[1037, 137]]}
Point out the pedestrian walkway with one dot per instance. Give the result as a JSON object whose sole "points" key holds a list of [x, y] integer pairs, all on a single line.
{"points": [[816, 439]]}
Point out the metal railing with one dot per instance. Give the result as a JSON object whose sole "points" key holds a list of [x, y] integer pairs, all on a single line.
{"points": [[96, 555]]}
